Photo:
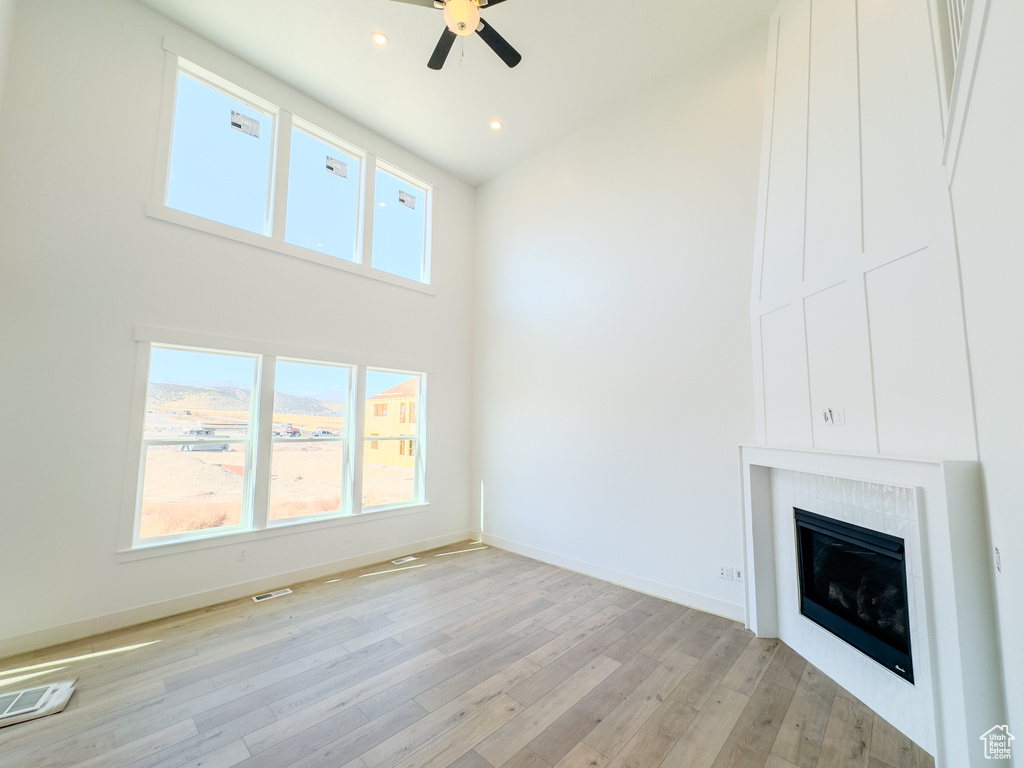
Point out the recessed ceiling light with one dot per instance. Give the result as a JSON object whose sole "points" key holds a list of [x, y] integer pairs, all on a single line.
{"points": [[496, 125], [380, 39]]}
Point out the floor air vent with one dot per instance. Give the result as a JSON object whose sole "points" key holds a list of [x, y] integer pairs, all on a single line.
{"points": [[18, 706], [270, 595], [403, 560]]}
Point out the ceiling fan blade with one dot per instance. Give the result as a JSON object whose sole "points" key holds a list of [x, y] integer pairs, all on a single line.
{"points": [[483, 3], [498, 44], [425, 3], [441, 49]]}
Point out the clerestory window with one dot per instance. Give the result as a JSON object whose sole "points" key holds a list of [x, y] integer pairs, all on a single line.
{"points": [[245, 168]]}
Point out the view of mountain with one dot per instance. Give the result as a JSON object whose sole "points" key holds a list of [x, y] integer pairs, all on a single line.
{"points": [[181, 397]]}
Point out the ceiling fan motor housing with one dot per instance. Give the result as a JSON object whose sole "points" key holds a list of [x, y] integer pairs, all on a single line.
{"points": [[462, 16]]}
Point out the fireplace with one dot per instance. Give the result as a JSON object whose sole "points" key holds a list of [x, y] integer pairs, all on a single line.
{"points": [[853, 582], [935, 506]]}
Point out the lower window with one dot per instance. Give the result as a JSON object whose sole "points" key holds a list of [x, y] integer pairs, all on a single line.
{"points": [[392, 467], [309, 469], [197, 447], [212, 463]]}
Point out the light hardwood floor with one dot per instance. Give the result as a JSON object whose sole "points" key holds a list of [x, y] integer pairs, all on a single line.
{"points": [[469, 659]]}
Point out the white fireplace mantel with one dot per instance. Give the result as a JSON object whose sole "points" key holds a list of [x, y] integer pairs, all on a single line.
{"points": [[965, 680]]}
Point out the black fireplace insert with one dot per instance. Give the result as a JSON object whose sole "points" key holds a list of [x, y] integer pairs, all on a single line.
{"points": [[853, 582]]}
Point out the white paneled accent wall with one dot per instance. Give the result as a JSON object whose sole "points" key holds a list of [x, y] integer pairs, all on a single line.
{"points": [[786, 391], [833, 231], [856, 302], [918, 349], [839, 366], [786, 101]]}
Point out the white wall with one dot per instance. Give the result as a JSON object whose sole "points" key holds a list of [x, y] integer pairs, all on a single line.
{"points": [[6, 30], [81, 265], [988, 197], [856, 304], [612, 385]]}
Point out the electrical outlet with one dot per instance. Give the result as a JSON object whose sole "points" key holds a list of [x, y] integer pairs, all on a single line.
{"points": [[725, 572], [839, 417], [738, 575], [243, 553]]}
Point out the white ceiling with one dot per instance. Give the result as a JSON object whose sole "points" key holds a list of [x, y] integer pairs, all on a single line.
{"points": [[580, 58]]}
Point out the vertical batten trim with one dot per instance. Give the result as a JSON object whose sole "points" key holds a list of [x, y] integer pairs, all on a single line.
{"points": [[807, 139], [860, 127]]}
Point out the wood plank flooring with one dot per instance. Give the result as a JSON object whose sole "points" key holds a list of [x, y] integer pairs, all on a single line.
{"points": [[468, 657]]}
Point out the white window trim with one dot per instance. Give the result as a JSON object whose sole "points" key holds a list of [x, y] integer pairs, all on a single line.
{"points": [[130, 548], [182, 57]]}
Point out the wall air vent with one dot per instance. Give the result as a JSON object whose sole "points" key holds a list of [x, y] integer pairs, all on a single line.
{"points": [[270, 595]]}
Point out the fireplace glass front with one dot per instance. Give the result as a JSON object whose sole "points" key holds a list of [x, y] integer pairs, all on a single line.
{"points": [[853, 582]]}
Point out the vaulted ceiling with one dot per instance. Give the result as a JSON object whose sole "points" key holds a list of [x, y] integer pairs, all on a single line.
{"points": [[580, 59]]}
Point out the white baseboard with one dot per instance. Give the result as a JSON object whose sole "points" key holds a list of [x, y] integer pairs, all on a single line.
{"points": [[638, 583], [10, 646]]}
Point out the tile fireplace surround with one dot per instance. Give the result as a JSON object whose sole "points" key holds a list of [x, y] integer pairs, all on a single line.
{"points": [[936, 507]]}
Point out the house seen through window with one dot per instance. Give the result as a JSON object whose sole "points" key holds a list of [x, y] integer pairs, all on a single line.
{"points": [[394, 476]]}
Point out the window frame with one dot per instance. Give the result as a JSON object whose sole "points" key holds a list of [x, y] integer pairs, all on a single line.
{"points": [[428, 212], [245, 522], [232, 91], [238, 82], [318, 133], [346, 505], [258, 526]]}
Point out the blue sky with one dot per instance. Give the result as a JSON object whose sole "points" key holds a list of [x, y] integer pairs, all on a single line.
{"points": [[201, 369], [218, 172], [323, 207], [207, 369], [321, 382]]}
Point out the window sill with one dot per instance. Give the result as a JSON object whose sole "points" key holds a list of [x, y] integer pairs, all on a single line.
{"points": [[181, 218], [283, 528]]}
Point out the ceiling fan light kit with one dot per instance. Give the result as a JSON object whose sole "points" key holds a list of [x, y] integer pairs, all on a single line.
{"points": [[462, 17]]}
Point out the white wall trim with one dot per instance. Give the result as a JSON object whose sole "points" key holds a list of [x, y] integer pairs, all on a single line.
{"points": [[628, 580], [975, 21], [88, 627]]}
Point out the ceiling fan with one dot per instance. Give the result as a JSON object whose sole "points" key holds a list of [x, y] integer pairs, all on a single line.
{"points": [[462, 17]]}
